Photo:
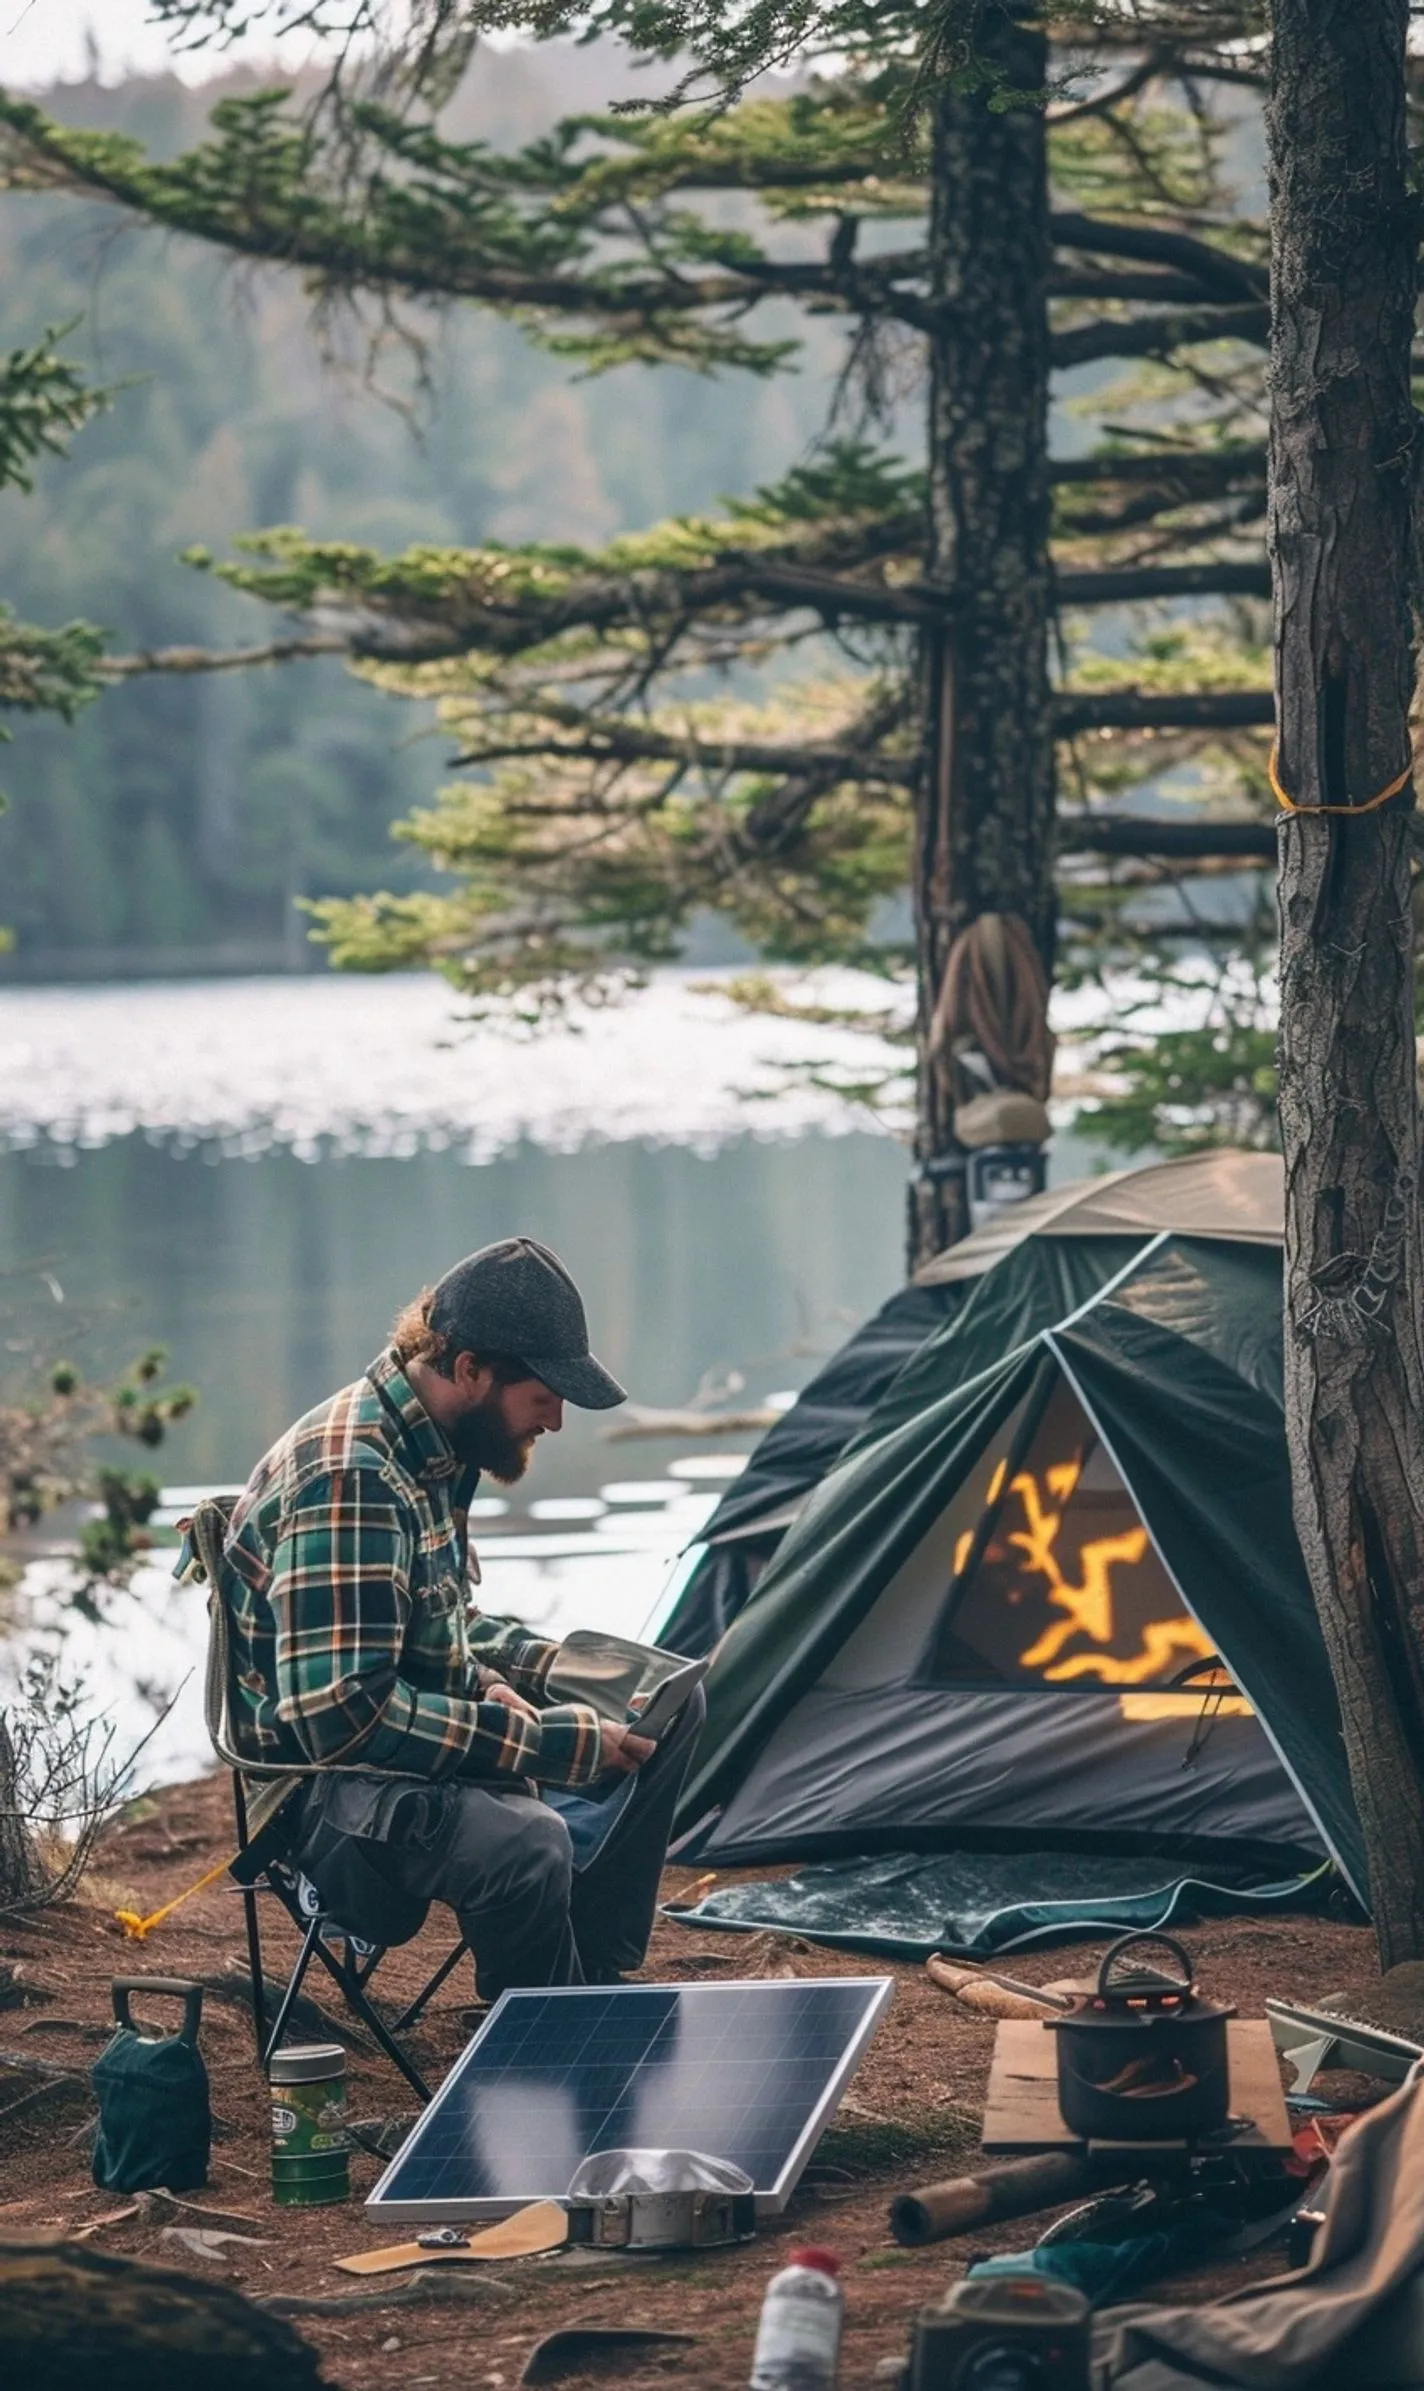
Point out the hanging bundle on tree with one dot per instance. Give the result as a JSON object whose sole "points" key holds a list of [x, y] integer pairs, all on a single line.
{"points": [[989, 1037]]}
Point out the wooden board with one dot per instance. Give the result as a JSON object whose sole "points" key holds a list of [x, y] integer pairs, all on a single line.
{"points": [[1021, 2112]]}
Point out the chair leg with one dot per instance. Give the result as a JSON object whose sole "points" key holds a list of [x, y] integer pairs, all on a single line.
{"points": [[254, 1931], [422, 1999], [311, 1941], [356, 1999]]}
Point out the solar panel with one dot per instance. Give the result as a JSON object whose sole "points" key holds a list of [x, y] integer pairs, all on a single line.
{"points": [[746, 2072]]}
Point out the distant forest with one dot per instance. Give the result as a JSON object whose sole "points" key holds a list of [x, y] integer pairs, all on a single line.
{"points": [[179, 823]]}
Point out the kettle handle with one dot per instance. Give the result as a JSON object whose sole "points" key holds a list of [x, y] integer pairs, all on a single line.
{"points": [[181, 1988], [1146, 1934]]}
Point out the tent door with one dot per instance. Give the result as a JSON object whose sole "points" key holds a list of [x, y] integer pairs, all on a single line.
{"points": [[1059, 1586]]}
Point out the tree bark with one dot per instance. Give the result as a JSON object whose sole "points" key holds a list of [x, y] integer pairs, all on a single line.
{"points": [[20, 1873], [1344, 439], [984, 816]]}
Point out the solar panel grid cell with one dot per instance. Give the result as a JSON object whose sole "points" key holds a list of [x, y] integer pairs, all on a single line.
{"points": [[745, 2072]]}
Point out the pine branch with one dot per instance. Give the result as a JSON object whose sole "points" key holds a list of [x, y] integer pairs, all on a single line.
{"points": [[601, 739], [191, 659], [1142, 710], [1160, 287], [1157, 335], [1125, 585], [388, 620], [44, 401], [1193, 472], [1171, 841], [1233, 277], [47, 672], [439, 221]]}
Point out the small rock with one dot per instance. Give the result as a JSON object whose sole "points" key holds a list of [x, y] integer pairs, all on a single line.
{"points": [[392, 2343]]}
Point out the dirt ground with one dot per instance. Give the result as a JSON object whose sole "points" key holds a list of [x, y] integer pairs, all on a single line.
{"points": [[912, 2116]]}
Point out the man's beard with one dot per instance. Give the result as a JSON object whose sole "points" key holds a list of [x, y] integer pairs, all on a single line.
{"points": [[483, 1442]]}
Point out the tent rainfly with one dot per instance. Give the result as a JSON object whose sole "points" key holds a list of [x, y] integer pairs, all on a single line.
{"points": [[1237, 1196], [1051, 1593]]}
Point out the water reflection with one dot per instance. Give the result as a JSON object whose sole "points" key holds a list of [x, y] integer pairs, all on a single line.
{"points": [[272, 1282]]}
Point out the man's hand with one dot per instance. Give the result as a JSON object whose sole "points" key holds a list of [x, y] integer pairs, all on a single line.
{"points": [[494, 1689], [622, 1749]]}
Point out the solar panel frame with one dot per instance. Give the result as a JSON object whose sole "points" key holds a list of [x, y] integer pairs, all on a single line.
{"points": [[770, 2198]]}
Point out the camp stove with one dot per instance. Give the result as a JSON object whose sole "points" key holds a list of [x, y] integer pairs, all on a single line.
{"points": [[663, 2220], [659, 2200]]}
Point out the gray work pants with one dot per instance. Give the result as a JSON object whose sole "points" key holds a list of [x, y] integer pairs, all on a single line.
{"points": [[561, 1890]]}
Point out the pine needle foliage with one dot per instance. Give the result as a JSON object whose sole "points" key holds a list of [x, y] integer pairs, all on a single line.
{"points": [[723, 711], [44, 401]]}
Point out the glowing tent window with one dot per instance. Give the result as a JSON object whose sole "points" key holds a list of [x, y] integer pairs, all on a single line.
{"points": [[1059, 1584]]}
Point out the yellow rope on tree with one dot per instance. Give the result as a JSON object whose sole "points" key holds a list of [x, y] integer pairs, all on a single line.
{"points": [[1382, 796]]}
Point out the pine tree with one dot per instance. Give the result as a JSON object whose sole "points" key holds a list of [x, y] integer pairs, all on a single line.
{"points": [[887, 624], [1345, 449], [44, 401]]}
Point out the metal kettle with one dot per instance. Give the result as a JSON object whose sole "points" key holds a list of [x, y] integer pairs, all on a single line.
{"points": [[1141, 2056]]}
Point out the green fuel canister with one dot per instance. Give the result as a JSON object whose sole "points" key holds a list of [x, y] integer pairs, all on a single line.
{"points": [[311, 2164]]}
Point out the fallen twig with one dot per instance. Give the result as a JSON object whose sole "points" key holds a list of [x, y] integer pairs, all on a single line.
{"points": [[993, 1995], [164, 2207], [111, 2216], [430, 2284], [41, 2092], [30, 2064]]}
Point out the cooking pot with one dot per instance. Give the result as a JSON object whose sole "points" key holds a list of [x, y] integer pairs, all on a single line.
{"points": [[1141, 2057]]}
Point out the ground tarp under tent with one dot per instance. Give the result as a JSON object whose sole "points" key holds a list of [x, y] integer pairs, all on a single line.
{"points": [[979, 1904], [1051, 1598], [1238, 1195]]}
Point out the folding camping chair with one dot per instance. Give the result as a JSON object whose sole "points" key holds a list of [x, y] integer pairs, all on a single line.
{"points": [[262, 1858]]}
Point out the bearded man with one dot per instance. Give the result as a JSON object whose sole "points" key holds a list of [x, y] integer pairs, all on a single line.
{"points": [[355, 1649]]}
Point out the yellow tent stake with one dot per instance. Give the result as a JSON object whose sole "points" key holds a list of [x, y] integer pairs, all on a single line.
{"points": [[137, 1928]]}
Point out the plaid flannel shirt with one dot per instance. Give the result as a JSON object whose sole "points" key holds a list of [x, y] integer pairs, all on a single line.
{"points": [[345, 1582]]}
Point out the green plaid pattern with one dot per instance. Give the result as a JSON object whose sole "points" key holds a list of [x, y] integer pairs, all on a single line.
{"points": [[344, 1573]]}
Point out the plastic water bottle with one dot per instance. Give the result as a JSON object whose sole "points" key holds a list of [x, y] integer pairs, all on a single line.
{"points": [[799, 2338]]}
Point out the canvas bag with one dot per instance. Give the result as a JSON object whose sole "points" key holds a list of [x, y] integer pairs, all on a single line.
{"points": [[1352, 2319], [155, 2119]]}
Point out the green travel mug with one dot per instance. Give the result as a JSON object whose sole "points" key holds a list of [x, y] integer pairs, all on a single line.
{"points": [[311, 2164]]}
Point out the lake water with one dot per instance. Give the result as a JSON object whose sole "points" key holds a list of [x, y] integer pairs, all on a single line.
{"points": [[256, 1174]]}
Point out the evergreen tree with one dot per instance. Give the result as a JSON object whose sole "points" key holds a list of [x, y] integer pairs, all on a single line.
{"points": [[886, 620], [44, 401], [1345, 444]]}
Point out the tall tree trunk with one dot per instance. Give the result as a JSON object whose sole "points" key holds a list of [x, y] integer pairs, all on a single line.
{"points": [[984, 826], [1345, 235]]}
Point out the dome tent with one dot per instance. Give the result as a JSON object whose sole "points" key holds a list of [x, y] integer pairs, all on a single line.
{"points": [[1051, 1594], [1216, 1194]]}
